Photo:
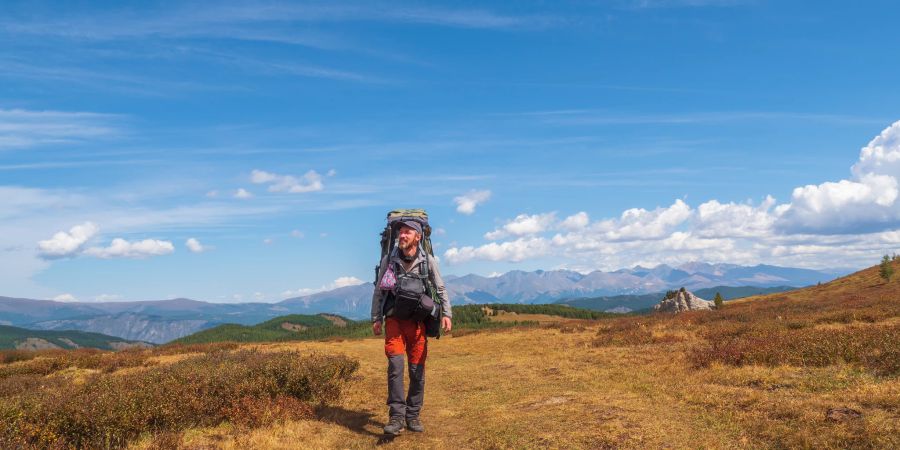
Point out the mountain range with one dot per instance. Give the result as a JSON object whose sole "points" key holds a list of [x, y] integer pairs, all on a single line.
{"points": [[164, 320]]}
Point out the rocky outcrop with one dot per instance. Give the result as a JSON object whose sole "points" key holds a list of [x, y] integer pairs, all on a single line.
{"points": [[682, 300], [33, 343]]}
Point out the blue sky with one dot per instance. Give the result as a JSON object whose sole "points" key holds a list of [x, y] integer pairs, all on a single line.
{"points": [[539, 135]]}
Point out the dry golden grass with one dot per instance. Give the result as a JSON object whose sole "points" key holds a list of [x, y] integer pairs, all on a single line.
{"points": [[632, 382]]}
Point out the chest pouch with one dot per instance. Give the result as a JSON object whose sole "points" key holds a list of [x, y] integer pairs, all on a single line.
{"points": [[412, 299]]}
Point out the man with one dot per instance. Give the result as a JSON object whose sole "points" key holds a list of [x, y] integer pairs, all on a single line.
{"points": [[406, 336]]}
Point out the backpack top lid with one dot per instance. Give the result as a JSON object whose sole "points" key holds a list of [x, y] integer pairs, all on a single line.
{"points": [[401, 215]]}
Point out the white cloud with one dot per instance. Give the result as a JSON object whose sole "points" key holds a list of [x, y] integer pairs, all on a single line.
{"points": [[242, 193], [23, 129], [332, 173], [268, 241], [194, 245], [120, 248], [108, 297], [834, 223], [576, 221], [466, 203], [865, 203], [523, 225], [212, 194], [65, 298], [66, 244], [639, 223], [714, 219], [311, 182], [347, 281], [513, 251], [297, 234]]}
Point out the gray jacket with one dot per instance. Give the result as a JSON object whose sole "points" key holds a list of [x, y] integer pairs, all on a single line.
{"points": [[379, 295]]}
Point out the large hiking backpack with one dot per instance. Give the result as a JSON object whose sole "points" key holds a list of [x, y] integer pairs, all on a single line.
{"points": [[394, 219], [389, 243]]}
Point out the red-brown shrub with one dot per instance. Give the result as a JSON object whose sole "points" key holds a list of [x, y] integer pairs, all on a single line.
{"points": [[108, 410]]}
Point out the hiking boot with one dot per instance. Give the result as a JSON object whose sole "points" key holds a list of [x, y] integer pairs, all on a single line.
{"points": [[394, 427], [415, 425]]}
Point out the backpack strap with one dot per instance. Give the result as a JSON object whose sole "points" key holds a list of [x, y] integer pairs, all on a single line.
{"points": [[423, 270]]}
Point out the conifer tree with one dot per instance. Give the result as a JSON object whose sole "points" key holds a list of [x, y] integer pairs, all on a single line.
{"points": [[718, 300], [887, 269]]}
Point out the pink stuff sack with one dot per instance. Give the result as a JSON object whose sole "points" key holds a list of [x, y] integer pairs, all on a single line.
{"points": [[389, 280]]}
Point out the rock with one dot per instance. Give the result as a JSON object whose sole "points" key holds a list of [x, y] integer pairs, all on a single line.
{"points": [[842, 414], [683, 300], [293, 326], [33, 343]]}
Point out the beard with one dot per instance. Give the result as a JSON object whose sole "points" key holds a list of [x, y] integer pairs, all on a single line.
{"points": [[406, 244]]}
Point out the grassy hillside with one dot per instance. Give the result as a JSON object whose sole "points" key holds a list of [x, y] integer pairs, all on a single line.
{"points": [[11, 337], [300, 327], [817, 367], [829, 380], [293, 327]]}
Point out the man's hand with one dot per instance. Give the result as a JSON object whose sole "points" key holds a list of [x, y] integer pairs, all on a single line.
{"points": [[376, 328], [446, 324]]}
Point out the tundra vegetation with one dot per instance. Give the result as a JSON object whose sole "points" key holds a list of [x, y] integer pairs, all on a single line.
{"points": [[817, 367]]}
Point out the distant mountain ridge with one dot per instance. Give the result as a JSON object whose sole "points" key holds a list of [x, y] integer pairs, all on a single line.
{"points": [[548, 286], [165, 320], [630, 303]]}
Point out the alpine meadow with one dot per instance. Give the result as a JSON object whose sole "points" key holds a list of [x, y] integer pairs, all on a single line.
{"points": [[305, 224]]}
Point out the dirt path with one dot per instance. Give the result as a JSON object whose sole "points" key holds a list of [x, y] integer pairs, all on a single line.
{"points": [[528, 388]]}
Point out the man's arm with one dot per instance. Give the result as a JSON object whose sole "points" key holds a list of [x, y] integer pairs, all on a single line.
{"points": [[439, 286], [378, 294]]}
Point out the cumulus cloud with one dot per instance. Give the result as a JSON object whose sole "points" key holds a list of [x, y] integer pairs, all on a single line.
{"points": [[194, 245], [347, 281], [72, 243], [311, 181], [242, 193], [65, 298], [120, 248], [523, 225], [297, 234], [867, 202], [576, 221], [855, 219], [466, 203], [513, 251], [66, 244], [639, 223]]}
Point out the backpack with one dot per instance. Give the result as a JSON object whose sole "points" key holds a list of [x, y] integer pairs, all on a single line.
{"points": [[388, 246]]}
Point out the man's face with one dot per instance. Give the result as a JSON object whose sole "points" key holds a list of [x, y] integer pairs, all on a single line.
{"points": [[409, 238]]}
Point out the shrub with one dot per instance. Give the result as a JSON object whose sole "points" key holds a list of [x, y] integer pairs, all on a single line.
{"points": [[45, 362], [886, 270], [629, 332], [873, 347], [108, 410]]}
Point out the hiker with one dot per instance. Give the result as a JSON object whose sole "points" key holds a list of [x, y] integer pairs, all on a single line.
{"points": [[401, 270]]}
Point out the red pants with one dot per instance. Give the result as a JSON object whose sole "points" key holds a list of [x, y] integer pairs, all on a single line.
{"points": [[405, 336]]}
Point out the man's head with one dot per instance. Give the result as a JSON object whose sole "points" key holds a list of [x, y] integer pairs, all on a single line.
{"points": [[409, 235]]}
